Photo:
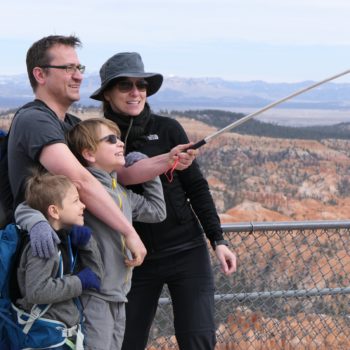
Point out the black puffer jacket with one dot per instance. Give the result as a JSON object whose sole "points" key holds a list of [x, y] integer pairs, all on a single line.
{"points": [[190, 207]]}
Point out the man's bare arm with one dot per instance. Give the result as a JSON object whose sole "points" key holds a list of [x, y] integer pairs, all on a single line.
{"points": [[58, 159]]}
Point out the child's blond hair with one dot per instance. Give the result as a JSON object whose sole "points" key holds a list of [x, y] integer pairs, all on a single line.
{"points": [[44, 189]]}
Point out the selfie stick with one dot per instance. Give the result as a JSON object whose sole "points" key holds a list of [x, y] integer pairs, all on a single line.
{"points": [[250, 116]]}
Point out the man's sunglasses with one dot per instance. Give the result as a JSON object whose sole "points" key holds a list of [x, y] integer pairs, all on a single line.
{"points": [[127, 85], [110, 139]]}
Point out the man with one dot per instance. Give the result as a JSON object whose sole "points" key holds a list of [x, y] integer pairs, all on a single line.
{"points": [[37, 137]]}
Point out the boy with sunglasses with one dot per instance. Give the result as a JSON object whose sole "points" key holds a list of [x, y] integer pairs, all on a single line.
{"points": [[97, 145]]}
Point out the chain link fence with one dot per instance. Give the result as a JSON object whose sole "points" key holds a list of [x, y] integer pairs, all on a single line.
{"points": [[291, 289]]}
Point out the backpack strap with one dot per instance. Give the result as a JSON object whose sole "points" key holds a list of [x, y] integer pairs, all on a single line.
{"points": [[37, 310], [35, 313], [72, 266]]}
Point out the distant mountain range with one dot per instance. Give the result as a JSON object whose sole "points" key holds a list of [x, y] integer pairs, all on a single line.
{"points": [[188, 93]]}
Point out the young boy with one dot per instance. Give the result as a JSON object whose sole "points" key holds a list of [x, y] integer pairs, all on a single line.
{"points": [[96, 143], [42, 281]]}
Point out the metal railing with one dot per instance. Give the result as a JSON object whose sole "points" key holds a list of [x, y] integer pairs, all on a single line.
{"points": [[291, 289]]}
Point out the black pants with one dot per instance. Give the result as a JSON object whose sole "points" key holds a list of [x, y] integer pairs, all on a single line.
{"points": [[189, 278]]}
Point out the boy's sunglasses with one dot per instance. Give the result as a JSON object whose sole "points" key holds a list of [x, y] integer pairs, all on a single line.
{"points": [[127, 85], [110, 139]]}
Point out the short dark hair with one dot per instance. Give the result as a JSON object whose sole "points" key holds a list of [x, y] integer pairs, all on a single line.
{"points": [[37, 55]]}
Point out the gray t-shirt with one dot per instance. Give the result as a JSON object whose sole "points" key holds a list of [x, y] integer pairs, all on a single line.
{"points": [[32, 129]]}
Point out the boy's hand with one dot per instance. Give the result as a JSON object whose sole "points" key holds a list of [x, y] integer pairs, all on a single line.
{"points": [[80, 235], [43, 240], [89, 279]]}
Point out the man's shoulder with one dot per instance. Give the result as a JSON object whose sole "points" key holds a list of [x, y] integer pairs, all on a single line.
{"points": [[31, 110], [36, 105]]}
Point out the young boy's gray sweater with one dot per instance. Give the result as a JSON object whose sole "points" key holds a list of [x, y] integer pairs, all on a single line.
{"points": [[149, 207], [39, 284]]}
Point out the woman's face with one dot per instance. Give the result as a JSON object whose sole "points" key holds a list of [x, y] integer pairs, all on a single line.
{"points": [[128, 96]]}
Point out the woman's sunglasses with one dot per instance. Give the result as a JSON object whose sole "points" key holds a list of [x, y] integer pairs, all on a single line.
{"points": [[127, 85], [110, 139]]}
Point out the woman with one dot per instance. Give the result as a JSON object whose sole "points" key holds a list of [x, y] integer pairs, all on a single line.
{"points": [[177, 250]]}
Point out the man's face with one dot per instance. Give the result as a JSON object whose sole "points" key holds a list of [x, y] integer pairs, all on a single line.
{"points": [[60, 86]]}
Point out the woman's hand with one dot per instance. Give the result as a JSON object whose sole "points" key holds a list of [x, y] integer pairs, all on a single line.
{"points": [[227, 258], [183, 156]]}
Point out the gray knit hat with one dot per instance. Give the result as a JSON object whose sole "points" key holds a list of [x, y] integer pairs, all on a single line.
{"points": [[128, 65]]}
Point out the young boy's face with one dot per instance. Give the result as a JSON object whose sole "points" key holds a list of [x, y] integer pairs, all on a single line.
{"points": [[109, 155], [72, 211]]}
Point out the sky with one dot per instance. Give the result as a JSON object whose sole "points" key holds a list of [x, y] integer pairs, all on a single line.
{"points": [[240, 40]]}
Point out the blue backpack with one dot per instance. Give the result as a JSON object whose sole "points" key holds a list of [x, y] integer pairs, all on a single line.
{"points": [[9, 242], [18, 329]]}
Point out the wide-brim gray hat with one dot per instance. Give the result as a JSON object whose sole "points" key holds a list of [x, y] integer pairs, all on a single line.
{"points": [[128, 65]]}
